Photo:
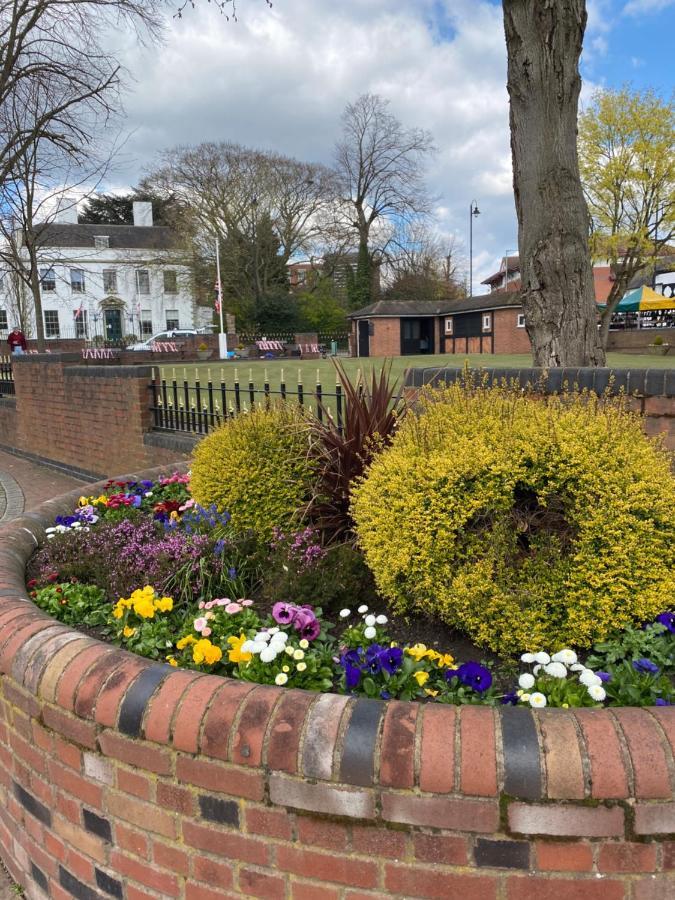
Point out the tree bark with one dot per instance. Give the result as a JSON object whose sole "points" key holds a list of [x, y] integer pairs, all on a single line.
{"points": [[544, 40]]}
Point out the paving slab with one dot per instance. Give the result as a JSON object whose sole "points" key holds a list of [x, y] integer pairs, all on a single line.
{"points": [[25, 484]]}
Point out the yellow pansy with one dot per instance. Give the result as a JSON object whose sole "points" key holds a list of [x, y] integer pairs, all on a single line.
{"points": [[164, 604], [417, 651], [118, 611], [205, 651], [430, 693], [172, 661], [128, 632], [235, 655], [421, 677], [184, 642]]}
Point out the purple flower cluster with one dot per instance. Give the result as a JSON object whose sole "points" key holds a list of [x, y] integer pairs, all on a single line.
{"points": [[645, 667], [473, 675], [667, 619], [303, 547], [371, 661], [302, 618]]}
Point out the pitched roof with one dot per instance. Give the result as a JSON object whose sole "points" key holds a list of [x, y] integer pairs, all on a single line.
{"points": [[122, 237], [415, 308], [513, 264]]}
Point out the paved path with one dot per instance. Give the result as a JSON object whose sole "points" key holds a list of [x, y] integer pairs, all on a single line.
{"points": [[24, 485]]}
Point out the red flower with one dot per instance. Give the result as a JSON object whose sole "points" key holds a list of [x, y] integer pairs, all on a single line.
{"points": [[53, 576], [32, 583], [59, 590]]}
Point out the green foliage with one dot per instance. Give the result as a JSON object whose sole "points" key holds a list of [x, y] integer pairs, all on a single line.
{"points": [[360, 282], [630, 687], [74, 604], [276, 314], [320, 310], [525, 524], [655, 642], [256, 467]]}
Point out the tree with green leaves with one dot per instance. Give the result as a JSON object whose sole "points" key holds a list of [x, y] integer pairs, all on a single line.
{"points": [[627, 161], [118, 209]]}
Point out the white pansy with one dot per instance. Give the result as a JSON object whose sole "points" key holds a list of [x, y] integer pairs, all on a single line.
{"points": [[363, 609], [247, 647], [344, 613], [527, 657], [556, 670], [536, 669], [370, 620], [577, 667], [537, 700], [259, 646], [542, 658], [281, 679], [269, 654], [597, 692], [588, 677], [274, 630], [526, 681], [370, 632], [261, 636], [566, 656], [381, 620]]}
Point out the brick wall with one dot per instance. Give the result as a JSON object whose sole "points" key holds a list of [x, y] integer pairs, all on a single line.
{"points": [[386, 339], [508, 337], [122, 778], [640, 338], [92, 419]]}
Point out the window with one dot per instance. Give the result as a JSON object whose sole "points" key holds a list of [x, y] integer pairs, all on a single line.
{"points": [[2, 283], [142, 281], [487, 321], [521, 320], [110, 281], [170, 282], [52, 329], [3, 320], [48, 279], [81, 319], [77, 281], [101, 241], [146, 323], [448, 326], [172, 320]]}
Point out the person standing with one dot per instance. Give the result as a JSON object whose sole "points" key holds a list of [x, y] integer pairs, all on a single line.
{"points": [[17, 341]]}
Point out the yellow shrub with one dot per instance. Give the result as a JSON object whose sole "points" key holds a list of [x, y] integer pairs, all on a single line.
{"points": [[256, 468], [526, 524]]}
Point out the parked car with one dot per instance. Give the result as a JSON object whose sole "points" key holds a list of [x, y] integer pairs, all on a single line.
{"points": [[163, 337]]}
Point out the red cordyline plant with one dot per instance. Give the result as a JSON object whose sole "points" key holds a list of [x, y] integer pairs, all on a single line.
{"points": [[371, 414]]}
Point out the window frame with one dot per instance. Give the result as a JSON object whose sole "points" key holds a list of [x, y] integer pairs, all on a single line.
{"points": [[145, 323], [110, 274], [81, 324], [75, 286], [5, 327], [520, 320], [101, 242], [44, 273], [50, 330], [169, 326], [486, 322], [449, 325], [174, 273], [139, 273]]}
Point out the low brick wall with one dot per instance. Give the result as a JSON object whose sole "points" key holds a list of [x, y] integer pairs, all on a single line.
{"points": [[129, 779], [650, 392]]}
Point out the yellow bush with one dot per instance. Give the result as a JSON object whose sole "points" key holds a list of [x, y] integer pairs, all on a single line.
{"points": [[527, 524], [256, 468]]}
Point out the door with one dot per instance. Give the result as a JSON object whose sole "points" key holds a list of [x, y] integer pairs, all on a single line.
{"points": [[364, 338], [112, 319], [417, 336]]}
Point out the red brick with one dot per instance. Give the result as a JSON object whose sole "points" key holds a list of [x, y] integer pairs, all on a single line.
{"points": [[163, 705], [321, 833], [650, 766], [172, 858], [137, 785], [397, 750], [135, 753], [655, 818], [566, 820], [194, 891], [322, 866], [134, 893], [416, 881], [90, 686], [259, 884], [110, 696], [81, 867], [255, 714], [626, 857], [478, 758], [533, 888], [54, 670], [269, 822], [665, 716], [221, 778], [144, 815], [75, 671], [442, 849], [321, 731], [655, 887], [225, 843], [32, 757], [188, 719], [437, 760], [376, 842], [218, 721], [131, 840], [164, 882], [68, 753], [286, 731], [33, 624], [75, 836], [212, 872], [72, 783], [441, 812], [25, 701], [557, 856], [77, 730], [608, 772], [170, 796], [669, 855], [562, 756], [303, 890]]}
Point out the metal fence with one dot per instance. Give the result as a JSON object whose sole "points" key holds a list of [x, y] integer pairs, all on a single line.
{"points": [[198, 407], [6, 376]]}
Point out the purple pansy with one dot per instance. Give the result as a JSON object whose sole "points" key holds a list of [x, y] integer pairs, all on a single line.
{"points": [[473, 675], [668, 620], [284, 613], [645, 666]]}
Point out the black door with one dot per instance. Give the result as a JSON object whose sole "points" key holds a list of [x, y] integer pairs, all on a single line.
{"points": [[364, 337], [417, 336], [112, 319]]}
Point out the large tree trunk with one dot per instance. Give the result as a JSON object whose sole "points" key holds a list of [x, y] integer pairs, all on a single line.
{"points": [[543, 39]]}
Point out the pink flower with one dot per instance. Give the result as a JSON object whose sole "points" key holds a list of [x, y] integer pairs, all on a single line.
{"points": [[209, 605], [201, 604], [187, 505], [206, 632], [246, 602], [232, 608], [201, 623]]}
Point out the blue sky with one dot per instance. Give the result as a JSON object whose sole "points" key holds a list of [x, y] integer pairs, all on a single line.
{"points": [[280, 79]]}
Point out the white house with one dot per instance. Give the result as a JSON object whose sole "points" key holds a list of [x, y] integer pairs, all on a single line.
{"points": [[113, 280]]}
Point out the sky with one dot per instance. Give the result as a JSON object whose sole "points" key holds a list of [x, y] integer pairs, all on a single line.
{"points": [[280, 78]]}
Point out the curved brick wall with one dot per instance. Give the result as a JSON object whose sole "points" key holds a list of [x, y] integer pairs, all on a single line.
{"points": [[122, 778]]}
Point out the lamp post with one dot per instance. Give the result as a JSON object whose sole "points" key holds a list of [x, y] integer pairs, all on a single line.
{"points": [[473, 212], [256, 259]]}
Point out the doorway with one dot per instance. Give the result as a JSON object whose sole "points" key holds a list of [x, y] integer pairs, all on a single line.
{"points": [[112, 321], [417, 336], [364, 337]]}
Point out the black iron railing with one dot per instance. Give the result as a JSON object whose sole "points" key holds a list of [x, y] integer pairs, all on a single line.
{"points": [[6, 376]]}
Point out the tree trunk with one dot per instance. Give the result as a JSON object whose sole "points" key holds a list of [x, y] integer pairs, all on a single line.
{"points": [[35, 288], [544, 39]]}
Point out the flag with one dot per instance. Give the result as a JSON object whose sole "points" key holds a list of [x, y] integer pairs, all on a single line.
{"points": [[78, 311], [219, 296]]}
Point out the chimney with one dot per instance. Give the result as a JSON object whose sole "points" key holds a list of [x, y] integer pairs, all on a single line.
{"points": [[66, 211], [142, 214]]}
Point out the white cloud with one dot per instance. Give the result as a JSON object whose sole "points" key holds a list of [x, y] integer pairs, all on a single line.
{"points": [[645, 7]]}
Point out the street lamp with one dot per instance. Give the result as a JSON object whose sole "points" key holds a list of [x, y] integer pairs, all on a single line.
{"points": [[473, 212], [256, 260]]}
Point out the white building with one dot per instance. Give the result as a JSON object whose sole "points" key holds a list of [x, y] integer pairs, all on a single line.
{"points": [[112, 281]]}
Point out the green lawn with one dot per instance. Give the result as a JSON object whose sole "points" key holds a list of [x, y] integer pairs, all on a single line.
{"points": [[323, 370]]}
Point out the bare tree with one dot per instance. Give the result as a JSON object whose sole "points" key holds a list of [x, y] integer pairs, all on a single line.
{"points": [[544, 40], [52, 49], [381, 166]]}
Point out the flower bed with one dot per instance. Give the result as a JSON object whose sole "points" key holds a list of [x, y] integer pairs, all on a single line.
{"points": [[121, 776]]}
